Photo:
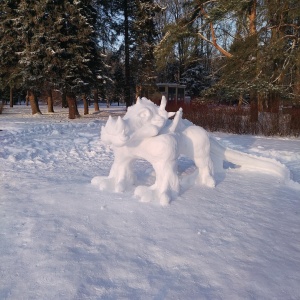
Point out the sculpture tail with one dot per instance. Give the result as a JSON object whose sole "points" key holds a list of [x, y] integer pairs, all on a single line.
{"points": [[221, 154]]}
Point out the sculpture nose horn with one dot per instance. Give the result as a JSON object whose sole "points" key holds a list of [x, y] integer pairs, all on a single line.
{"points": [[163, 103], [120, 125]]}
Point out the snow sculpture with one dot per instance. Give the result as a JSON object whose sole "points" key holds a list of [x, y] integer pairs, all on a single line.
{"points": [[146, 132]]}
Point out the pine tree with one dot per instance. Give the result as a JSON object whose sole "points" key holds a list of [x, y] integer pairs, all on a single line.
{"points": [[138, 29], [61, 49], [264, 56], [282, 51], [145, 41], [106, 33], [182, 56], [9, 46]]}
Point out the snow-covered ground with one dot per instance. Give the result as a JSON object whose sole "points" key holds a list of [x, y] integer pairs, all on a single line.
{"points": [[61, 238]]}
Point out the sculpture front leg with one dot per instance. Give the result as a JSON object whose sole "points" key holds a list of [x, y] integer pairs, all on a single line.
{"points": [[149, 193], [166, 186], [162, 153], [120, 177], [121, 174]]}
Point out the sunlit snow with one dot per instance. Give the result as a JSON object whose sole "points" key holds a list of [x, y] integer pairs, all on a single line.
{"points": [[62, 238]]}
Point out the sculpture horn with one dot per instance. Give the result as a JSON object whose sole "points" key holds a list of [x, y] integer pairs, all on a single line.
{"points": [[120, 125], [110, 124], [163, 103]]}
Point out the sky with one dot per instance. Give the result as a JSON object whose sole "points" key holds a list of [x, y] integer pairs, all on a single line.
{"points": [[63, 238]]}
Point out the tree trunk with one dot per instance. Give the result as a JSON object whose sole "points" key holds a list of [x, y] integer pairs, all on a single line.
{"points": [[96, 103], [64, 102], [127, 62], [252, 32], [50, 101], [33, 102], [252, 17], [85, 105], [279, 15], [261, 102], [296, 85], [27, 98], [11, 98], [138, 90], [253, 107], [274, 102], [241, 99], [73, 111]]}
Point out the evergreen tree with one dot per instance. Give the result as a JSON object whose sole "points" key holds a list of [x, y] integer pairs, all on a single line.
{"points": [[182, 56], [197, 79], [137, 26], [9, 46], [281, 51], [145, 40], [256, 47], [264, 56], [61, 47], [115, 85]]}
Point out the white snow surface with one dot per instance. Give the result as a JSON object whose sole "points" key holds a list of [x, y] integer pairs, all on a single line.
{"points": [[61, 238]]}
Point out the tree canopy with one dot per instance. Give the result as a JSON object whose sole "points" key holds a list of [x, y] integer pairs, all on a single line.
{"points": [[226, 49]]}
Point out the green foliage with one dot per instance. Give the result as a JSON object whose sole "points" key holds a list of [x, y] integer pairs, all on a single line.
{"points": [[68, 45], [51, 44], [165, 52], [264, 63], [145, 35], [10, 46]]}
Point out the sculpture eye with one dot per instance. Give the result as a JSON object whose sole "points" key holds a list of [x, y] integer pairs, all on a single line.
{"points": [[144, 114]]}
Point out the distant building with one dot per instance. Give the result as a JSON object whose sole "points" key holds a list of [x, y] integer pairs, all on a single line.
{"points": [[174, 92]]}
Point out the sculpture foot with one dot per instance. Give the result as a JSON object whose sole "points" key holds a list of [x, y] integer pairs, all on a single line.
{"points": [[209, 181], [145, 193], [164, 199], [107, 184]]}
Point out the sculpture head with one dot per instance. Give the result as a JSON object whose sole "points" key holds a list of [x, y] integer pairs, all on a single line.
{"points": [[142, 120]]}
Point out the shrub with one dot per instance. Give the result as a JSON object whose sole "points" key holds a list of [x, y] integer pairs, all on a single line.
{"points": [[235, 119]]}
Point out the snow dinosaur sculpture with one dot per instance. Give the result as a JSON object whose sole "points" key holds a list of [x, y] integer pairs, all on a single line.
{"points": [[146, 132]]}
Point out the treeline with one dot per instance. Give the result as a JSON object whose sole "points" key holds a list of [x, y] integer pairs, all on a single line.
{"points": [[235, 51], [75, 47]]}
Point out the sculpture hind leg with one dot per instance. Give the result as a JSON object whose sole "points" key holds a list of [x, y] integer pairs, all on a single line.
{"points": [[204, 165], [195, 144]]}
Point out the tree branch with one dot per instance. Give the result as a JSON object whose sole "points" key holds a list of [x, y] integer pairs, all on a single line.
{"points": [[214, 39]]}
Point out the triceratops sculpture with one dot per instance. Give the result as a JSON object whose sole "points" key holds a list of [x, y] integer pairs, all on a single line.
{"points": [[146, 132]]}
